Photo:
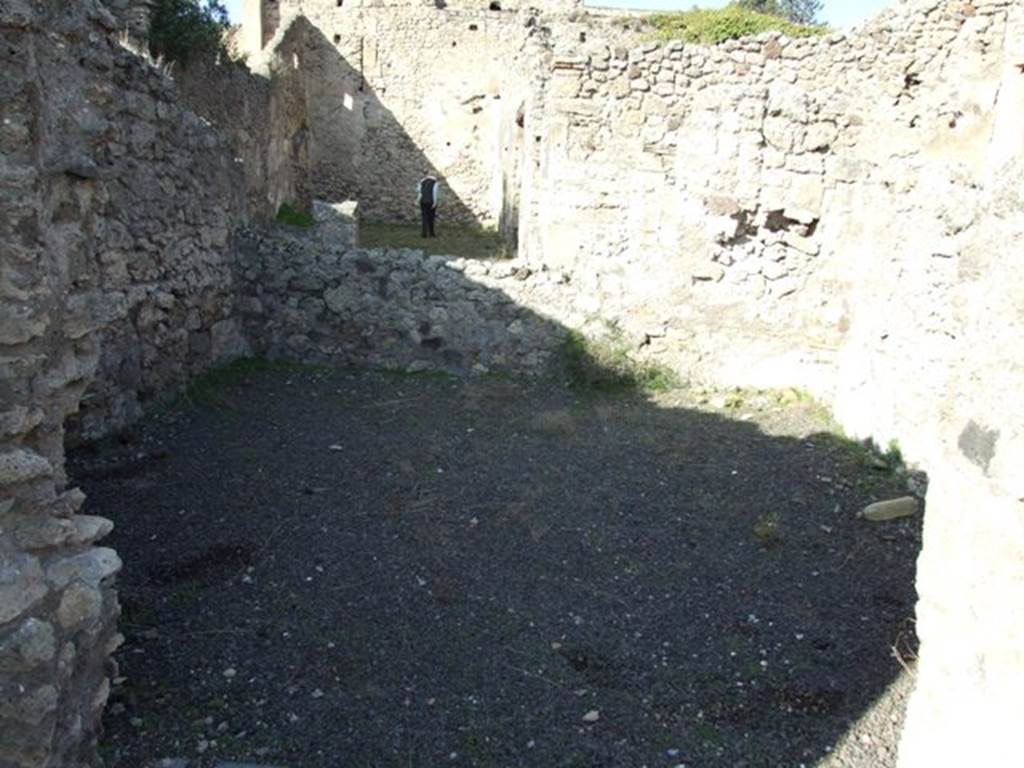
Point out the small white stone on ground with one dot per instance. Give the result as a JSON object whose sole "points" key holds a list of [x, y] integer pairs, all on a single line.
{"points": [[905, 506]]}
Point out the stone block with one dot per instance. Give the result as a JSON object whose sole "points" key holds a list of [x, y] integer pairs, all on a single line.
{"points": [[91, 567], [782, 133], [87, 312], [27, 705], [722, 228], [722, 205], [21, 324], [29, 645], [807, 162], [81, 604], [227, 341], [820, 136], [68, 503], [42, 532], [800, 243], [783, 190], [19, 420], [22, 584], [784, 286], [619, 88], [788, 102], [774, 270]]}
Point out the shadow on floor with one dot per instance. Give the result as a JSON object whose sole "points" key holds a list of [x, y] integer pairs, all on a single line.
{"points": [[328, 567]]}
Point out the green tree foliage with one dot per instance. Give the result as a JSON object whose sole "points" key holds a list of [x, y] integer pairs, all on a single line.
{"points": [[797, 11], [730, 23], [182, 29], [804, 11]]}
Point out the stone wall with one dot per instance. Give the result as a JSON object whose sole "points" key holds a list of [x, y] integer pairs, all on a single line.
{"points": [[261, 106], [736, 196], [398, 89], [307, 298], [148, 279], [117, 207]]}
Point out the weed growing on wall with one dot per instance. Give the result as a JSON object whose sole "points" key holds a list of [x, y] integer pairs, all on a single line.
{"points": [[730, 23]]}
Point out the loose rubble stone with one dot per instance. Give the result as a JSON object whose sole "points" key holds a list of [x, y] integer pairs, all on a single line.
{"points": [[21, 584], [92, 567], [170, 762], [49, 532], [20, 466], [31, 644], [29, 706], [80, 604], [891, 509]]}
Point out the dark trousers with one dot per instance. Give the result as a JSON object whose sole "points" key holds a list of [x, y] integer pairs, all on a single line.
{"points": [[427, 214]]}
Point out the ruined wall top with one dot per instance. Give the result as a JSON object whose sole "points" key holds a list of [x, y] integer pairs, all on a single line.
{"points": [[261, 18]]}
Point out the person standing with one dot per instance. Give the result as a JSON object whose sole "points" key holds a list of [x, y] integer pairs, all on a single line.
{"points": [[428, 196]]}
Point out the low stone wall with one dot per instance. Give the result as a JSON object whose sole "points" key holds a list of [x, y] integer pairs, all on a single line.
{"points": [[306, 298], [313, 296]]}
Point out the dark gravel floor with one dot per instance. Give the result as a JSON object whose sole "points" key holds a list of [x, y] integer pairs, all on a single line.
{"points": [[328, 568]]}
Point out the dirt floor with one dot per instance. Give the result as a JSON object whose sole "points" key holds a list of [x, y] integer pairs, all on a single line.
{"points": [[336, 568]]}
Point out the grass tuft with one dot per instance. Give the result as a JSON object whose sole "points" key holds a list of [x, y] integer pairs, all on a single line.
{"points": [[711, 27], [213, 388], [893, 456], [294, 216], [606, 366], [451, 240], [767, 529]]}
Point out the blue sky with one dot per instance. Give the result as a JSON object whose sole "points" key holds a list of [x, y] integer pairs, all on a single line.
{"points": [[837, 13]]}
